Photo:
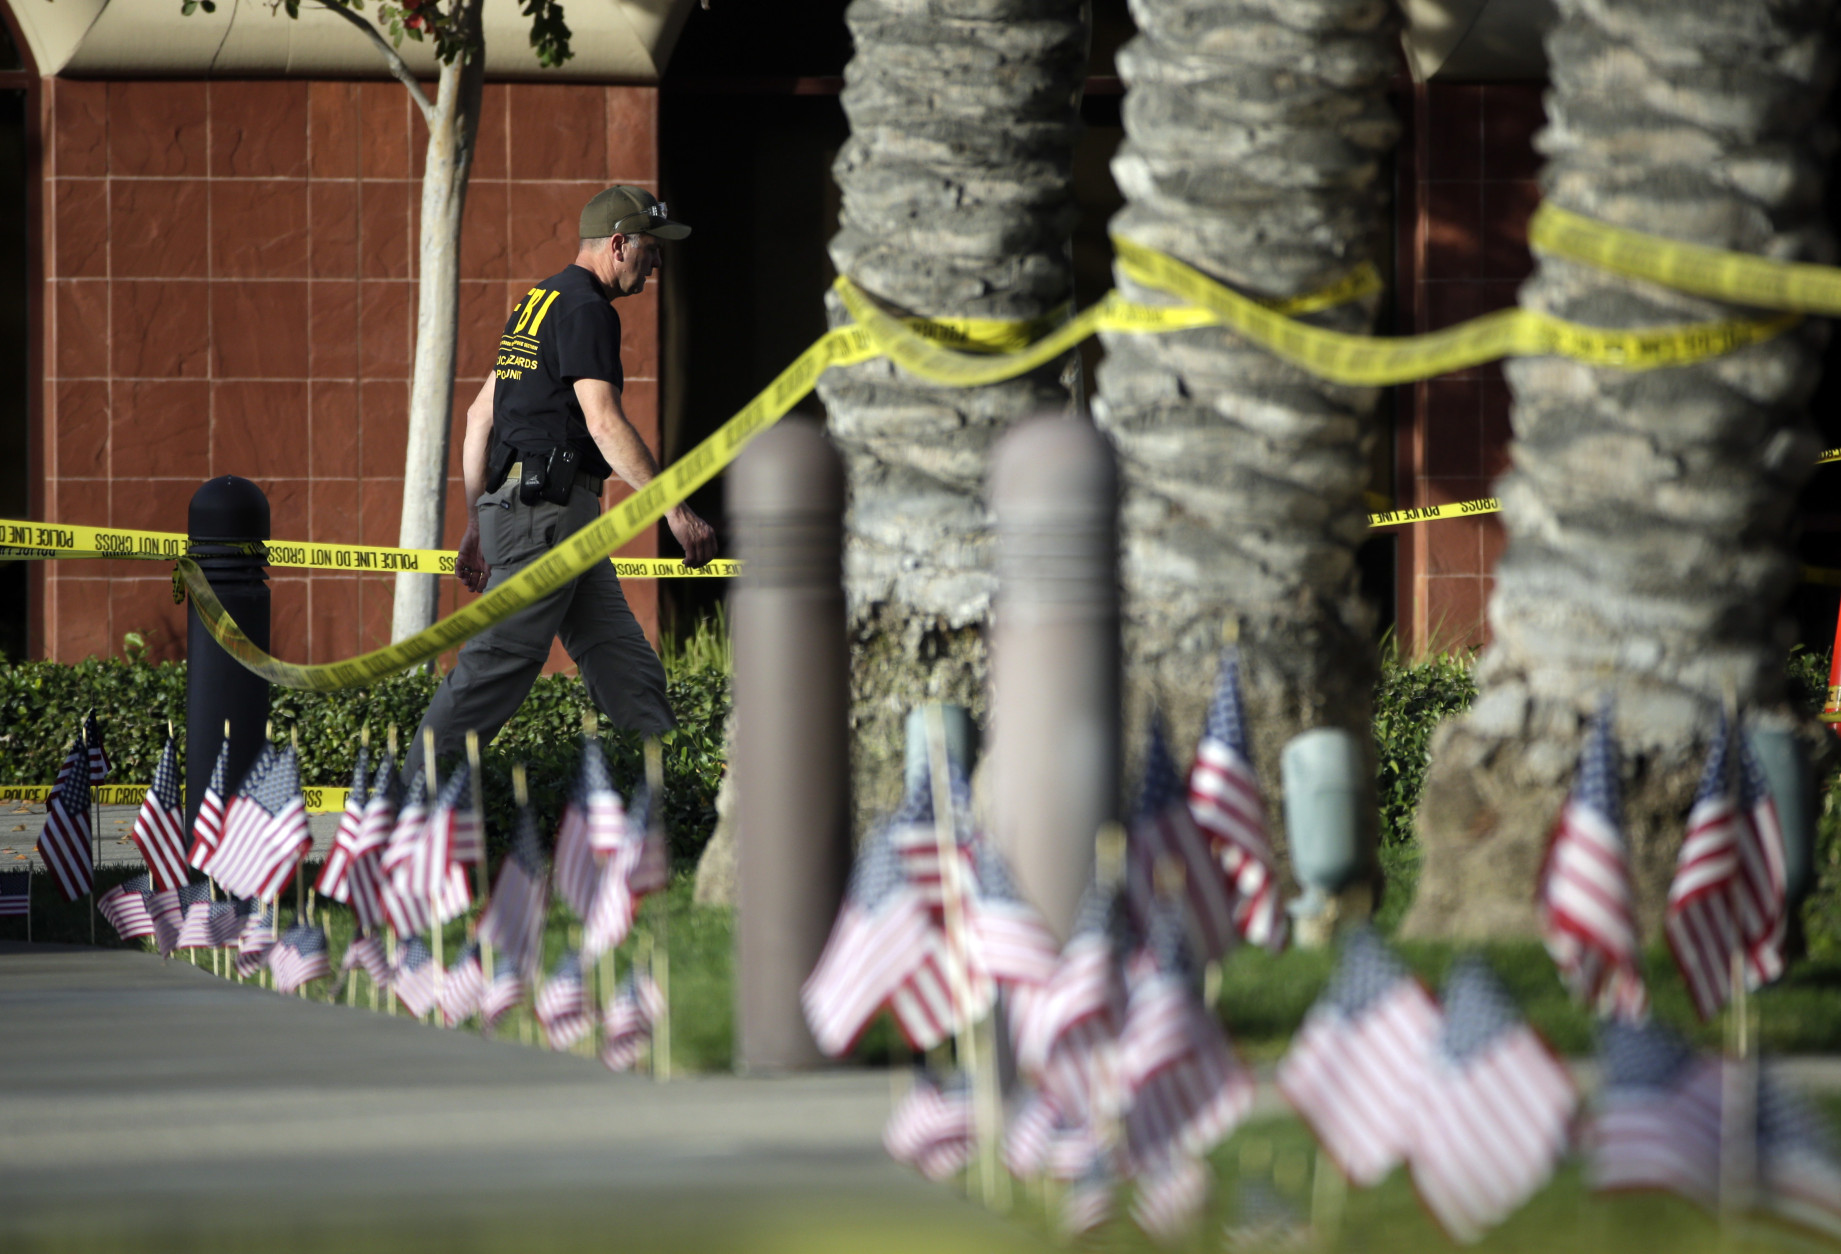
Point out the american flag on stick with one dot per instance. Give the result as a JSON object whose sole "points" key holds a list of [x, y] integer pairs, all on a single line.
{"points": [[1491, 1118], [416, 978], [464, 986], [413, 867], [513, 920], [1229, 809], [626, 1027], [1360, 1058], [644, 860], [1066, 1034], [562, 1004], [256, 941], [462, 830], [124, 907], [932, 1128], [1162, 827], [159, 828], [98, 758], [1799, 1169], [1089, 1201], [505, 991], [1727, 896], [212, 924], [335, 873], [300, 957], [169, 910], [1587, 906], [1007, 936], [367, 953], [208, 826], [1656, 1120], [1186, 1089], [593, 827], [64, 843], [1169, 1199], [883, 951], [364, 876], [15, 894], [915, 836], [265, 829]]}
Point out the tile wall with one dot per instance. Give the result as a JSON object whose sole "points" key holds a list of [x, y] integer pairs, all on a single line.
{"points": [[230, 285]]}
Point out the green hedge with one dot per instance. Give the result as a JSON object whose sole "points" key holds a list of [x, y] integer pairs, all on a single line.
{"points": [[42, 705]]}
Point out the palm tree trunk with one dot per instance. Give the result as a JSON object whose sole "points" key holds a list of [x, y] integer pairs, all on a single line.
{"points": [[956, 203], [1648, 514], [1255, 137], [453, 131]]}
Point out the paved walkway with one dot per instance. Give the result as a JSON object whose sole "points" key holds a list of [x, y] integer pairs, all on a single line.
{"points": [[150, 1106]]}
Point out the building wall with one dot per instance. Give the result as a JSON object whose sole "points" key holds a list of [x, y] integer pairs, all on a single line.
{"points": [[230, 288], [1468, 187]]}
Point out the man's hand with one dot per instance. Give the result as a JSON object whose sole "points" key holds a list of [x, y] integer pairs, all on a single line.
{"points": [[471, 567], [697, 536]]}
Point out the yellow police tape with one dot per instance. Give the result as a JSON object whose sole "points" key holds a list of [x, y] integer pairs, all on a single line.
{"points": [[571, 557], [319, 800]]}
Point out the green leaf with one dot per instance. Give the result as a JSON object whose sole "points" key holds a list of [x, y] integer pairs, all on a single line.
{"points": [[188, 8]]}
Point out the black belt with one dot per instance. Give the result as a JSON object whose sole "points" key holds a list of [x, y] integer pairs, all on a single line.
{"points": [[594, 483]]}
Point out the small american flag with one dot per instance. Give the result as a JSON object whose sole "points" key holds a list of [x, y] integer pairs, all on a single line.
{"points": [[300, 957], [562, 1004], [159, 829], [364, 878], [592, 824], [1360, 1057], [15, 894], [1491, 1118], [1187, 1090], [416, 979], [1169, 1199], [124, 906], [413, 866], [208, 827], [455, 836], [212, 924], [1799, 1171], [626, 1027], [505, 991], [334, 882], [1587, 906], [931, 1129], [1727, 896], [604, 817], [265, 829], [1089, 1200], [1066, 1035], [915, 836], [98, 759], [880, 951], [1230, 810], [367, 952], [256, 941], [464, 986], [1028, 1134], [64, 843], [1162, 828], [1656, 1120], [513, 920], [169, 909], [1008, 937]]}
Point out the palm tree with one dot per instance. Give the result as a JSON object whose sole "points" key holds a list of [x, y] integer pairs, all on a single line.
{"points": [[956, 203], [1255, 140], [1648, 514]]}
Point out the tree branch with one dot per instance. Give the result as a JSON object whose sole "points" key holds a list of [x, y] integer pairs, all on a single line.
{"points": [[397, 65]]}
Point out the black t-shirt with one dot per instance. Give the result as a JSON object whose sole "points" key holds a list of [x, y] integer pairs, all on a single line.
{"points": [[563, 330]]}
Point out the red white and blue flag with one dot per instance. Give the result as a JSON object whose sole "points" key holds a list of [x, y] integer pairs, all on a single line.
{"points": [[64, 843], [125, 908], [464, 986], [415, 980], [364, 877], [1587, 905], [626, 1026], [1229, 809], [1655, 1123], [159, 828], [208, 826], [256, 941], [99, 767], [931, 1129], [1162, 827], [1727, 897], [562, 1004], [265, 829], [299, 957], [334, 881], [513, 920], [15, 894]]}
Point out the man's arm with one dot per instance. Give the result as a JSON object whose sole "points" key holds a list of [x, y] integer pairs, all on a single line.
{"points": [[471, 566], [633, 462]]}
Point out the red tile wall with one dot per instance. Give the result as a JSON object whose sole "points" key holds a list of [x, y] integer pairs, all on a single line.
{"points": [[1468, 189], [230, 289]]}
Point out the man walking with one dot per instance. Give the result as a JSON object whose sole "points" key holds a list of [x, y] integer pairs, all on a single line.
{"points": [[543, 435]]}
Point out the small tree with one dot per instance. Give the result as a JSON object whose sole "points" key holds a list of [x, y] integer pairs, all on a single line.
{"points": [[452, 115]]}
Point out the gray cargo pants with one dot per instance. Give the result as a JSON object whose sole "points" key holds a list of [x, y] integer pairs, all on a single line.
{"points": [[625, 679]]}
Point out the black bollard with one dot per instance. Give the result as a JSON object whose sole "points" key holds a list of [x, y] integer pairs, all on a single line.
{"points": [[227, 525]]}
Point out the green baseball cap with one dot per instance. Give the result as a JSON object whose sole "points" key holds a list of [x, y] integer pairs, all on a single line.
{"points": [[628, 211]]}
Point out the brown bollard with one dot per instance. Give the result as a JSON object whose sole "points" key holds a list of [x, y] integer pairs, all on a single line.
{"points": [[792, 734], [1054, 657]]}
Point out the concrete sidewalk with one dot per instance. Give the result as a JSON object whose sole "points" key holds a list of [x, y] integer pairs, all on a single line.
{"points": [[147, 1105]]}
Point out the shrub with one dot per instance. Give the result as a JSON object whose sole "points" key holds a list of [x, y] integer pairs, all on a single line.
{"points": [[1410, 701]]}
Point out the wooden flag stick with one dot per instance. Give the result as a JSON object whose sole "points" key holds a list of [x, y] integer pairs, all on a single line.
{"points": [[435, 927], [946, 848], [661, 950]]}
